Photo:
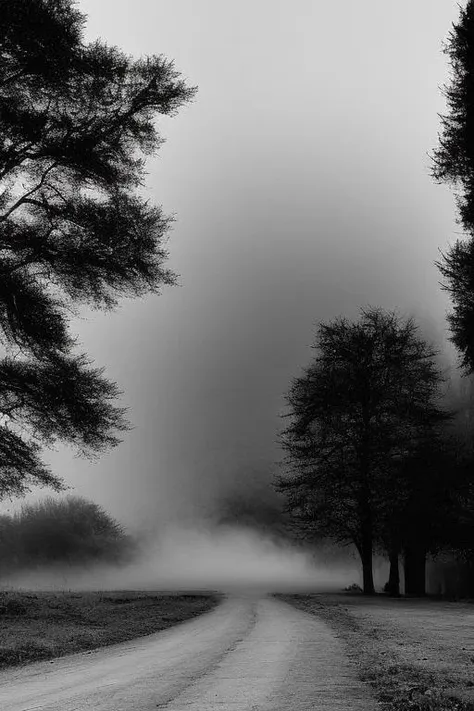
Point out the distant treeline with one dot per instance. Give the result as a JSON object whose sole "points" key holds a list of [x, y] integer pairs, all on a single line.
{"points": [[71, 531]]}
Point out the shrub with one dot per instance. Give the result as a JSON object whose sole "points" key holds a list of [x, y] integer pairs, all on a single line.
{"points": [[72, 530]]}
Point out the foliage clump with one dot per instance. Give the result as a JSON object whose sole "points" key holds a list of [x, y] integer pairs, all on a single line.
{"points": [[68, 531], [453, 163], [362, 415], [76, 124]]}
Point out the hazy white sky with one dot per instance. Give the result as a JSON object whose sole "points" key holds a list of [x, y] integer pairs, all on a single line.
{"points": [[300, 182]]}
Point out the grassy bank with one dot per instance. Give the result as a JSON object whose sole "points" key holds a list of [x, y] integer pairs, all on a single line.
{"points": [[418, 655], [37, 626]]}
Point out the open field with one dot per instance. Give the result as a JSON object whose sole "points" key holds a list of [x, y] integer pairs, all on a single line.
{"points": [[38, 626], [418, 655]]}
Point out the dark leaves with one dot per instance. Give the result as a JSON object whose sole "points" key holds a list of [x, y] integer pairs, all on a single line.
{"points": [[76, 121], [30, 317], [454, 163], [457, 269], [62, 398], [367, 401], [100, 250], [21, 466]]}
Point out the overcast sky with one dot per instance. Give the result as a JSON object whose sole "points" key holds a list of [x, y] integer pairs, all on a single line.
{"points": [[300, 182]]}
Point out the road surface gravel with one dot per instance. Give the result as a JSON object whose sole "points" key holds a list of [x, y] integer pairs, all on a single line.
{"points": [[250, 653]]}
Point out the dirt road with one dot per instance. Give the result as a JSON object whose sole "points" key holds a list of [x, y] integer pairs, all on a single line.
{"points": [[251, 652]]}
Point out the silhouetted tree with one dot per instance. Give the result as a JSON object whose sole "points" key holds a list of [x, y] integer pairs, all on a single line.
{"points": [[361, 406], [460, 528], [69, 531], [417, 515], [454, 164], [76, 121]]}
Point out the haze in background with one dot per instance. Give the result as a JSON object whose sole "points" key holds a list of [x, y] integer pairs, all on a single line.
{"points": [[227, 559], [300, 182]]}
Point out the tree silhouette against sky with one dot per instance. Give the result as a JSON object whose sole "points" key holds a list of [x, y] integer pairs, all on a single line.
{"points": [[77, 121]]}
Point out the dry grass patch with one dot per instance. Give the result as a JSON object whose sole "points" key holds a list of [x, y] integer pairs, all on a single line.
{"points": [[37, 626], [418, 655]]}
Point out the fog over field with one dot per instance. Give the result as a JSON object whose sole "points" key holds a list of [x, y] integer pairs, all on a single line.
{"points": [[299, 178], [196, 558]]}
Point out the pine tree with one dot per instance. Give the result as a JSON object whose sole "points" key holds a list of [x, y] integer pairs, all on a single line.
{"points": [[454, 164], [77, 122]]}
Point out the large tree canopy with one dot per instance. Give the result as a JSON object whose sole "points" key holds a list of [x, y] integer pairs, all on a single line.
{"points": [[454, 164], [363, 405], [76, 123]]}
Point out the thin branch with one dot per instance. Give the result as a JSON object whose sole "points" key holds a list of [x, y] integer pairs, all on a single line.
{"points": [[24, 197]]}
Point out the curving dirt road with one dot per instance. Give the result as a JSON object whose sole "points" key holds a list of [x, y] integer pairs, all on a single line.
{"points": [[251, 653]]}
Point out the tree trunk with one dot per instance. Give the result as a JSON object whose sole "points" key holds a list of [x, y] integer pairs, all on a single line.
{"points": [[393, 587], [415, 570], [366, 553], [365, 509], [367, 574]]}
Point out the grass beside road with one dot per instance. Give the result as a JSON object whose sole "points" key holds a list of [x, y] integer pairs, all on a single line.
{"points": [[37, 626], [418, 655]]}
